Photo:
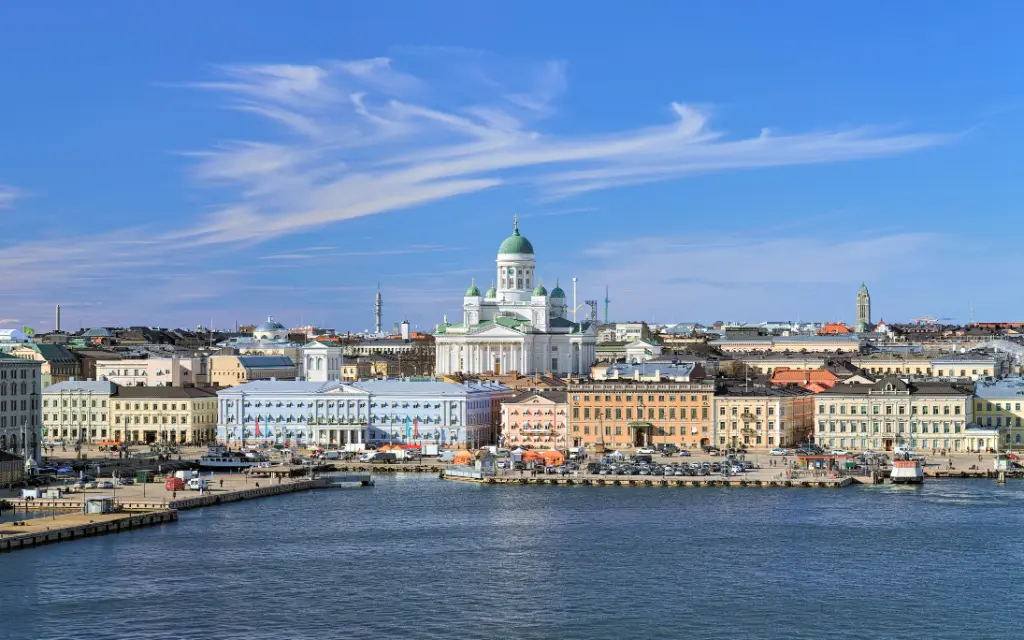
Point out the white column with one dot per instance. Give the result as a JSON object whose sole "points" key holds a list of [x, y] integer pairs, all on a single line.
{"points": [[490, 359]]}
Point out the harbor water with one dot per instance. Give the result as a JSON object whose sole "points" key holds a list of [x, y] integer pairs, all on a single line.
{"points": [[415, 557]]}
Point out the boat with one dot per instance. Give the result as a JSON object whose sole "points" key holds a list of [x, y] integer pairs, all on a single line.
{"points": [[906, 469], [220, 457]]}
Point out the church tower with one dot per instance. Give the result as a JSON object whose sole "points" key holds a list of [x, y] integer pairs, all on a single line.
{"points": [[516, 266], [863, 309]]}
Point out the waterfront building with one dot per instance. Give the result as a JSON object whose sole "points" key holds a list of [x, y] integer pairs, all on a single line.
{"points": [[324, 413], [649, 371], [516, 325], [536, 418], [616, 413], [87, 359], [78, 411], [863, 310], [269, 338], [20, 407], [184, 415], [170, 371], [229, 370], [57, 363], [762, 417], [892, 411], [998, 405], [460, 415], [849, 344]]}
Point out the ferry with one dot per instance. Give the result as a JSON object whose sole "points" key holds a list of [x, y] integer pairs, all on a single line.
{"points": [[906, 469], [220, 457]]}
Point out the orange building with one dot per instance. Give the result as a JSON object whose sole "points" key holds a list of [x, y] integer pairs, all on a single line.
{"points": [[834, 329], [812, 379], [615, 414]]}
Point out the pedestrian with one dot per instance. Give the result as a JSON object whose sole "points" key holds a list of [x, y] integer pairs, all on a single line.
{"points": [[222, 483], [174, 495]]}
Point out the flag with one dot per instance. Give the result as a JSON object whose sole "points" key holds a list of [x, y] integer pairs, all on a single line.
{"points": [[28, 331], [416, 428], [258, 434], [408, 428]]}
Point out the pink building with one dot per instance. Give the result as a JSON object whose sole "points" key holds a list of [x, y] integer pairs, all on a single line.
{"points": [[536, 418]]}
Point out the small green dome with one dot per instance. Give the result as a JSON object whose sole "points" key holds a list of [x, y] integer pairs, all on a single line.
{"points": [[557, 291], [492, 292], [473, 290], [540, 290], [516, 243]]}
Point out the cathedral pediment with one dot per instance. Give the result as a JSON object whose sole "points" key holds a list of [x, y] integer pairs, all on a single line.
{"points": [[491, 330]]}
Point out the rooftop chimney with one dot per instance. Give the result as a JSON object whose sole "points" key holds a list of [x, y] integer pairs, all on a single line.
{"points": [[57, 327]]}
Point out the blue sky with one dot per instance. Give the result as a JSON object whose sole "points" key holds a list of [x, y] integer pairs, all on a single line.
{"points": [[174, 163]]}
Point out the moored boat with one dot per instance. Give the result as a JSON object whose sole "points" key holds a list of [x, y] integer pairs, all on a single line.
{"points": [[906, 470], [220, 457]]}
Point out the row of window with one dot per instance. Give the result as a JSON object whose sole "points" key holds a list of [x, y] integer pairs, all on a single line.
{"points": [[757, 425], [18, 421], [757, 411], [14, 388], [14, 405], [877, 427], [661, 412], [988, 406], [629, 398], [74, 403], [875, 443], [899, 409], [660, 431], [14, 374]]}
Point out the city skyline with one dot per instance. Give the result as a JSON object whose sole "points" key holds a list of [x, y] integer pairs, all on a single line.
{"points": [[165, 175]]}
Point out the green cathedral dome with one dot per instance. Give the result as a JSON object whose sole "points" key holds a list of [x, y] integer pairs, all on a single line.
{"points": [[516, 243]]}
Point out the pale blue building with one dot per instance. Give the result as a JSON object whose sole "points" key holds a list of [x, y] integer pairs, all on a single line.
{"points": [[335, 414]]}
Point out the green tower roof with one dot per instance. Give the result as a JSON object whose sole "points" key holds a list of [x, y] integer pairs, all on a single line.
{"points": [[473, 290], [557, 291], [516, 243], [492, 292], [540, 290]]}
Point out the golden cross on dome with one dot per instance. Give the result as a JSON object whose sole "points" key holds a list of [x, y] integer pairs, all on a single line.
{"points": [[515, 222]]}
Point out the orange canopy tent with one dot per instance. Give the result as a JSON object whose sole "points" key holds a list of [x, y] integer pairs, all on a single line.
{"points": [[463, 457], [532, 456], [552, 456]]}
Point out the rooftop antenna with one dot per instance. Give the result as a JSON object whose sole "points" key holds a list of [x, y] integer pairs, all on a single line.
{"points": [[606, 301]]}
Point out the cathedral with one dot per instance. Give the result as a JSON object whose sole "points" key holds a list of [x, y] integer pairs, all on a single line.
{"points": [[516, 325]]}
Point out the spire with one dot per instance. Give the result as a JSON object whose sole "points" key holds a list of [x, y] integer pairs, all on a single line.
{"points": [[515, 225]]}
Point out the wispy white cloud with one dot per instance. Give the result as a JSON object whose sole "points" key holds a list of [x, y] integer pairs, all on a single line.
{"points": [[9, 321], [364, 137], [8, 195]]}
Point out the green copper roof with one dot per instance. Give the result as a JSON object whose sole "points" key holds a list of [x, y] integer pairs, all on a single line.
{"points": [[540, 290], [473, 290], [557, 291], [492, 292], [516, 243]]}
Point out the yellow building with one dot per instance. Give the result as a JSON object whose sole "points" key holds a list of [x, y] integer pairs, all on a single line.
{"points": [[184, 415], [1000, 403], [762, 418], [230, 370], [891, 412], [354, 369]]}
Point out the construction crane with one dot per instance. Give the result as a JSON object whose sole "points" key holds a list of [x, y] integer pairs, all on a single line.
{"points": [[924, 320]]}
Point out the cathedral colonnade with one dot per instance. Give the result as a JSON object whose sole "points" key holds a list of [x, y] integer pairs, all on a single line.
{"points": [[483, 357]]}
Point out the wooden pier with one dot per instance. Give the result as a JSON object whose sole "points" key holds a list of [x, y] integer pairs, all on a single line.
{"points": [[25, 534], [651, 481]]}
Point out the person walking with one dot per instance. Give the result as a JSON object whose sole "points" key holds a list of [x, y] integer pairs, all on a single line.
{"points": [[222, 483]]}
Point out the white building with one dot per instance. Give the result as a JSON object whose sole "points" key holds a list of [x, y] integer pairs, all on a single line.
{"points": [[78, 411], [20, 416], [173, 371], [321, 362], [516, 325]]}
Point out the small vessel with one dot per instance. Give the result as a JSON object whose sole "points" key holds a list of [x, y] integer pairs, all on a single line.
{"points": [[906, 470], [220, 457]]}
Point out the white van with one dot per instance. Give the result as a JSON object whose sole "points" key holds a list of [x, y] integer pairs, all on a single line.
{"points": [[197, 484], [186, 475], [903, 449], [332, 455]]}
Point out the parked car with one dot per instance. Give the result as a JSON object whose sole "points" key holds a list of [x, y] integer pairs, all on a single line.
{"points": [[645, 451], [839, 452], [736, 468], [779, 451], [106, 484], [684, 453]]}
